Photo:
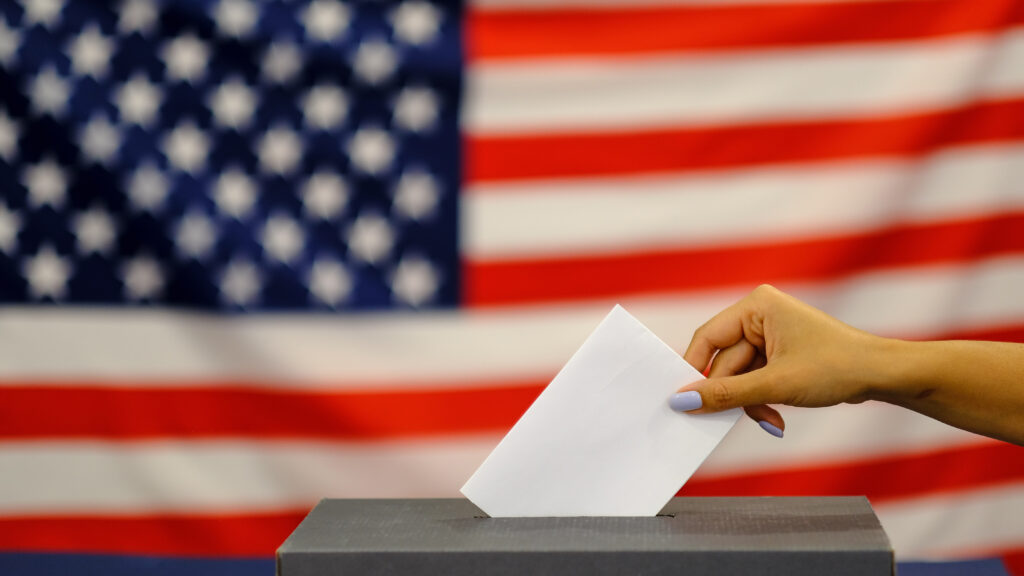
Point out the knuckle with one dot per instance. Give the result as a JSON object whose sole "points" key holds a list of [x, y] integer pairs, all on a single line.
{"points": [[765, 290], [701, 341], [721, 395]]}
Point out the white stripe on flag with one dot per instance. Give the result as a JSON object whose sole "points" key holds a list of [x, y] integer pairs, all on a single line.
{"points": [[145, 348], [231, 474], [592, 216], [628, 93], [230, 477], [964, 523], [66, 477], [485, 5], [835, 435]]}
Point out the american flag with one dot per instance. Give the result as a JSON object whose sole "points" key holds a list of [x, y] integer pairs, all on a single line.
{"points": [[258, 252]]}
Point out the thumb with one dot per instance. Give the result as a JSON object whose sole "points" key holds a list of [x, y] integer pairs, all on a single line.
{"points": [[725, 392]]}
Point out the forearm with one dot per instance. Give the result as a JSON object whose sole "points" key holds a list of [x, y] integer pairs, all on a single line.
{"points": [[977, 386], [810, 359]]}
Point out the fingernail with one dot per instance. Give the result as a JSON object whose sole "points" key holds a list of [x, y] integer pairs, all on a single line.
{"points": [[770, 428], [685, 401]]}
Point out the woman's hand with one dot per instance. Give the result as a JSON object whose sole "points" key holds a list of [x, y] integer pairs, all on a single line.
{"points": [[770, 348]]}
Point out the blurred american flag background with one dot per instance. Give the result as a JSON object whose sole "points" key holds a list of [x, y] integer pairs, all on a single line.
{"points": [[258, 252]]}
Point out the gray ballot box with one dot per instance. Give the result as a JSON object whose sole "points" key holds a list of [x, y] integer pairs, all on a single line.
{"points": [[693, 536]]}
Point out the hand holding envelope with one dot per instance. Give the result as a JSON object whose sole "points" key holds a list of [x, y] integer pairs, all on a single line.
{"points": [[601, 439]]}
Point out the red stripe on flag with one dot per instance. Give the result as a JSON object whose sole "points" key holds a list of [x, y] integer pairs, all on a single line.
{"points": [[517, 157], [240, 410], [1014, 561], [996, 334], [495, 283], [880, 479], [217, 410], [222, 535], [495, 34]]}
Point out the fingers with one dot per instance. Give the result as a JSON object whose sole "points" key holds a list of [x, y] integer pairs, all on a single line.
{"points": [[767, 418], [744, 357], [749, 391], [741, 321], [719, 333], [733, 360], [731, 349], [722, 393], [759, 361]]}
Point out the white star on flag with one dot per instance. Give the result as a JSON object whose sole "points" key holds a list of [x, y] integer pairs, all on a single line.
{"points": [[235, 193], [280, 150], [414, 281], [416, 194], [324, 195], [10, 41], [329, 282], [90, 53], [416, 22], [185, 58], [235, 18], [10, 226], [137, 16], [281, 62], [45, 12], [99, 140], [147, 188], [282, 238], [49, 92], [142, 277], [324, 107], [240, 283], [195, 235], [325, 20], [186, 147], [233, 104], [47, 274], [416, 109], [138, 100], [9, 133], [375, 61], [47, 184], [371, 150], [370, 238], [94, 231]]}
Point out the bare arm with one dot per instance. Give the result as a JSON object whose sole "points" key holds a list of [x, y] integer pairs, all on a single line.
{"points": [[977, 386], [770, 348]]}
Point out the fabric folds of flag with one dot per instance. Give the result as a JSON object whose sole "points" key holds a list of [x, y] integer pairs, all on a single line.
{"points": [[255, 253]]}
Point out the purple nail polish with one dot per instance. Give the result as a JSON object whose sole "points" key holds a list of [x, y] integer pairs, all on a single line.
{"points": [[685, 401], [770, 428]]}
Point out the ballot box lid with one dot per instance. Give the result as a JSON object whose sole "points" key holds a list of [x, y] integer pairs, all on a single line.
{"points": [[811, 535]]}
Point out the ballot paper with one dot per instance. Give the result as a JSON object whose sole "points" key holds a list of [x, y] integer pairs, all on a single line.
{"points": [[601, 439]]}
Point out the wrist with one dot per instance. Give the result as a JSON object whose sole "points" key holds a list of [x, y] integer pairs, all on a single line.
{"points": [[893, 377]]}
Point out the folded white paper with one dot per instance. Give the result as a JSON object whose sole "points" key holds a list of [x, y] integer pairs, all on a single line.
{"points": [[601, 440]]}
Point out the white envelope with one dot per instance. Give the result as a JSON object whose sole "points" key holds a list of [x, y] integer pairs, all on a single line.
{"points": [[601, 440]]}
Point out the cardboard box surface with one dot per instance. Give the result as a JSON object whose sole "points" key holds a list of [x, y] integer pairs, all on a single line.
{"points": [[694, 536]]}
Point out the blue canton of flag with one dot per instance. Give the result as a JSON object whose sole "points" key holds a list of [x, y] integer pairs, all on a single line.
{"points": [[232, 154]]}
